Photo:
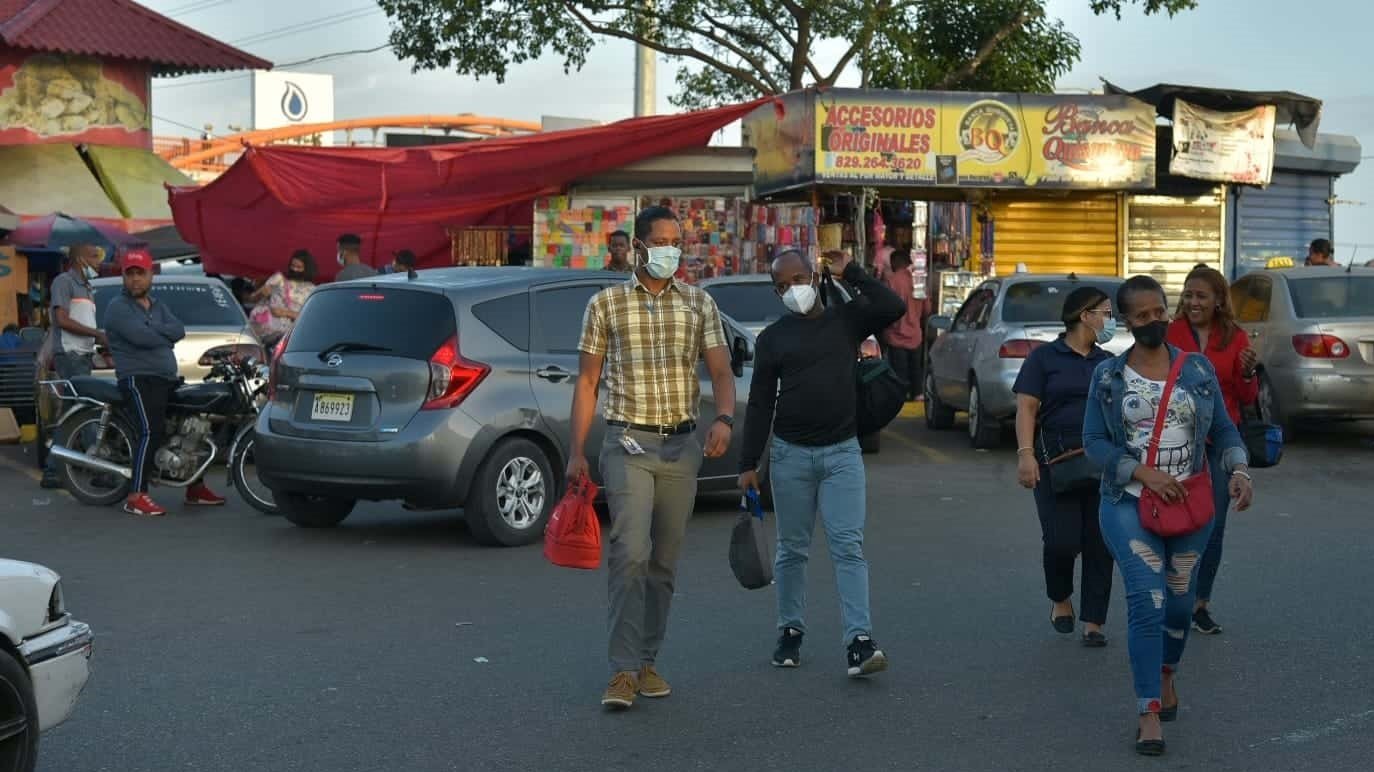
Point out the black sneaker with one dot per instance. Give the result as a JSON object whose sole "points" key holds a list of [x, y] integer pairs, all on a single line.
{"points": [[788, 653], [865, 658], [1204, 623]]}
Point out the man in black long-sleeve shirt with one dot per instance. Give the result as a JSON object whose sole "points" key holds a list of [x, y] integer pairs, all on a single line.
{"points": [[804, 390]]}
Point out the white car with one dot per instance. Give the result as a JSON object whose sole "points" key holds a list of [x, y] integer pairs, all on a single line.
{"points": [[44, 660]]}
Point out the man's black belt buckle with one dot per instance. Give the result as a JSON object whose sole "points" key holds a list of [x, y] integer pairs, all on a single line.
{"points": [[686, 427]]}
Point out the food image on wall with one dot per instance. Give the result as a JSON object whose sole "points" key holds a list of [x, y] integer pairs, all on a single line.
{"points": [[54, 96]]}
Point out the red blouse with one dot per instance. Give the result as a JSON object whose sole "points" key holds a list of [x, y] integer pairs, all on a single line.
{"points": [[1225, 359]]}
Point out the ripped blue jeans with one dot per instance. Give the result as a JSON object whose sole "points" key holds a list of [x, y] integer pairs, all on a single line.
{"points": [[1160, 576]]}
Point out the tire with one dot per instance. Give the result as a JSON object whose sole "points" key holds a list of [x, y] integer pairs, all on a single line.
{"points": [[871, 443], [308, 511], [87, 486], [938, 416], [983, 433], [513, 495], [260, 497], [18, 717], [1270, 410]]}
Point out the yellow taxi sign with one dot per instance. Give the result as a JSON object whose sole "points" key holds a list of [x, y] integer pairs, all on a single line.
{"points": [[1279, 262]]}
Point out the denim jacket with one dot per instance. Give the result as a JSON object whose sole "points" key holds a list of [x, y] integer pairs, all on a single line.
{"points": [[1104, 429]]}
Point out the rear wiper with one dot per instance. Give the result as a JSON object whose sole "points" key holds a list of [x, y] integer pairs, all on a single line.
{"points": [[350, 346]]}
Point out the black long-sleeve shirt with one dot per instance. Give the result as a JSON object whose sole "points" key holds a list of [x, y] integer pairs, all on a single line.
{"points": [[814, 360]]}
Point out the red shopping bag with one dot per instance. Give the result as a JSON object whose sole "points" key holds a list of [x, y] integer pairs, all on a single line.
{"points": [[572, 538]]}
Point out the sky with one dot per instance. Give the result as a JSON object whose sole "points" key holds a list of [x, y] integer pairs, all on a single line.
{"points": [[1315, 47]]}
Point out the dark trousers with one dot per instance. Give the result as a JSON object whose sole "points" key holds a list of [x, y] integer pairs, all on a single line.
{"points": [[1221, 493], [1069, 527], [908, 366], [146, 398]]}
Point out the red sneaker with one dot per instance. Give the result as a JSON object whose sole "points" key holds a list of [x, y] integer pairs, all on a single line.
{"points": [[199, 495], [141, 504]]}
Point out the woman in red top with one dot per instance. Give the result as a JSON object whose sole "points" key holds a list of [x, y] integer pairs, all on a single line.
{"points": [[1206, 324]]}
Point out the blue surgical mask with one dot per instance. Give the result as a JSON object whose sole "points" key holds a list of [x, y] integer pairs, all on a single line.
{"points": [[1108, 331], [662, 261], [89, 272]]}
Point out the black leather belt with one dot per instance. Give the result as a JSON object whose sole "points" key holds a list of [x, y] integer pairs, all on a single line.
{"points": [[686, 427]]}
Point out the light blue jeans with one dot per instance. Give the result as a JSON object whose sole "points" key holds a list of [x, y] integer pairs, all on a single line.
{"points": [[829, 480], [1161, 586]]}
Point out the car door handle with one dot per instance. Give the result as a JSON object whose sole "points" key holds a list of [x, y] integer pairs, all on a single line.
{"points": [[553, 373]]}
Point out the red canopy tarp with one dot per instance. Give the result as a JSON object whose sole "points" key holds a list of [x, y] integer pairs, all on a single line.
{"points": [[277, 199]]}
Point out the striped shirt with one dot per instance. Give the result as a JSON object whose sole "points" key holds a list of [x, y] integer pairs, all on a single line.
{"points": [[652, 346]]}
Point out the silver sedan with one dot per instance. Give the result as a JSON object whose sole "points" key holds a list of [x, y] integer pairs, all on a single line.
{"points": [[977, 355], [1313, 329]]}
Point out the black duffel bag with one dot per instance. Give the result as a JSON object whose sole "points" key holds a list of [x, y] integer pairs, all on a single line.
{"points": [[881, 394]]}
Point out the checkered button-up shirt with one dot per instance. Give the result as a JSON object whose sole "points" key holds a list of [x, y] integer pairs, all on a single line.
{"points": [[652, 346]]}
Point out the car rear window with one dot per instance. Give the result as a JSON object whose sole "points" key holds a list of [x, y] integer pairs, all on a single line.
{"points": [[749, 303], [401, 323], [1043, 301], [201, 304], [1333, 297]]}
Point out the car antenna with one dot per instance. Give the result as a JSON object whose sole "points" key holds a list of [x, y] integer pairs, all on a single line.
{"points": [[411, 275], [1073, 276]]}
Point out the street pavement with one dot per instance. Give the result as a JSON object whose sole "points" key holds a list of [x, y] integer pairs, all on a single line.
{"points": [[227, 640]]}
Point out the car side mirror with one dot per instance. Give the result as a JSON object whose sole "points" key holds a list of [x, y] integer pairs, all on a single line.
{"points": [[739, 355]]}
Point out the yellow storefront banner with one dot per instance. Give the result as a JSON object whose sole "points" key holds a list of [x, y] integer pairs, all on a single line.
{"points": [[939, 139]]}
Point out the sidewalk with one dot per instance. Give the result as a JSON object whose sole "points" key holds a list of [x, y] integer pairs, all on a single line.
{"points": [[18, 459]]}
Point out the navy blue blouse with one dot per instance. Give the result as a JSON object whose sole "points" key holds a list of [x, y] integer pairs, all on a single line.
{"points": [[1059, 377]]}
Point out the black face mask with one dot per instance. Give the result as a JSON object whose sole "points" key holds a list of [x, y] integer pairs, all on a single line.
{"points": [[295, 274], [1151, 335]]}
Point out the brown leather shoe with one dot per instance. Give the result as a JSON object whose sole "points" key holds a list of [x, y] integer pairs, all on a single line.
{"points": [[620, 694], [651, 684]]}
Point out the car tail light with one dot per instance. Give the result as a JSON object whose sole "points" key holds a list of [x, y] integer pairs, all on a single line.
{"points": [[1018, 349], [237, 351], [451, 377], [276, 363], [1320, 347]]}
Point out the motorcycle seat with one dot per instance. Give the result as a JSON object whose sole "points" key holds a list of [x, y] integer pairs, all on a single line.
{"points": [[97, 388]]}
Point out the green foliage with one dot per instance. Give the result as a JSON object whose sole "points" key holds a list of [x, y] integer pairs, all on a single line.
{"points": [[732, 50]]}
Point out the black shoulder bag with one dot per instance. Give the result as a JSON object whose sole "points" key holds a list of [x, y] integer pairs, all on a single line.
{"points": [[880, 392]]}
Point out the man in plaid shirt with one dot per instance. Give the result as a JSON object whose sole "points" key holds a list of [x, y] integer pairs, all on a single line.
{"points": [[646, 336]]}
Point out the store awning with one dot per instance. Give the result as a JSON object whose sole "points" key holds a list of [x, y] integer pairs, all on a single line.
{"points": [[136, 181], [1331, 154], [1303, 113], [37, 180], [277, 199]]}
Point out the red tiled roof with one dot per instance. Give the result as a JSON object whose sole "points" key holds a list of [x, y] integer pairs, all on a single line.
{"points": [[117, 29]]}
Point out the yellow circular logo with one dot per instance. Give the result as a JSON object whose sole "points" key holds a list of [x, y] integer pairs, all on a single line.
{"points": [[988, 132]]}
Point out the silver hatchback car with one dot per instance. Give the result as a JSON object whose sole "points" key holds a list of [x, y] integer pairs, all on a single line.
{"points": [[1313, 329], [975, 359], [451, 389]]}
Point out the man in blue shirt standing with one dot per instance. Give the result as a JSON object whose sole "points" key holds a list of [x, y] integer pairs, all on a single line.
{"points": [[142, 333]]}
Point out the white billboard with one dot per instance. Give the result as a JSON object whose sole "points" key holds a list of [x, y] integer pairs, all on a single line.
{"points": [[291, 98]]}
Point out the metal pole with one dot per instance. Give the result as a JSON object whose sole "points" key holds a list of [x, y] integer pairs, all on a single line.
{"points": [[646, 66]]}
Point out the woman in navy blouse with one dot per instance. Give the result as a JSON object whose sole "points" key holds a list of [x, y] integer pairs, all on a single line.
{"points": [[1051, 393]]}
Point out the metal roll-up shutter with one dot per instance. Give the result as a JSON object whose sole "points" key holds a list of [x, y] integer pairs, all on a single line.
{"points": [[1282, 219], [1061, 236], [1166, 236]]}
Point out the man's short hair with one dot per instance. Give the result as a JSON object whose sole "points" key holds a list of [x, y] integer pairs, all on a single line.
{"points": [[644, 223], [786, 253], [350, 241], [622, 234], [405, 257], [1321, 247], [901, 258], [81, 248]]}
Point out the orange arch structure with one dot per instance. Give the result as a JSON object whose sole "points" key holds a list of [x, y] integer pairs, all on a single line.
{"points": [[206, 159]]}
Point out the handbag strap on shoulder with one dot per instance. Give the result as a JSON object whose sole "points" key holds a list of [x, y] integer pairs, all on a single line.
{"points": [[1152, 453]]}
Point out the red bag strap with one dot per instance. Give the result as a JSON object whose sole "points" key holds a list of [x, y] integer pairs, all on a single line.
{"points": [[1152, 452]]}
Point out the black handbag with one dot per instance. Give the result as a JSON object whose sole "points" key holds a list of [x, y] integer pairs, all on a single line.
{"points": [[1263, 441], [1069, 469], [751, 558], [881, 395]]}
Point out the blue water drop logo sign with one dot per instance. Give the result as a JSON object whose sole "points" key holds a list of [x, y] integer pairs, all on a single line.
{"points": [[294, 105]]}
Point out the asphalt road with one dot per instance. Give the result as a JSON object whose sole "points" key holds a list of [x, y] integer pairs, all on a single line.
{"points": [[232, 641]]}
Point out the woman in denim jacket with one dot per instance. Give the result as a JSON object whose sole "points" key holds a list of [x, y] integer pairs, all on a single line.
{"points": [[1159, 573]]}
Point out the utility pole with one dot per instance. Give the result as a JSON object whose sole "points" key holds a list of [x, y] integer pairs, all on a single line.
{"points": [[646, 69]]}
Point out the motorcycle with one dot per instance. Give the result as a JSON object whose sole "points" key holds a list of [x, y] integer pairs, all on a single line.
{"points": [[96, 436]]}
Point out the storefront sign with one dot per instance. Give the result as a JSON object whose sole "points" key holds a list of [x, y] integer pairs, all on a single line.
{"points": [[1223, 146], [51, 98], [291, 98], [985, 140]]}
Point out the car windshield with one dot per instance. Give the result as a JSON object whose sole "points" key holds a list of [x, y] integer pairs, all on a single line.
{"points": [[1333, 297], [195, 304], [1043, 301], [748, 303]]}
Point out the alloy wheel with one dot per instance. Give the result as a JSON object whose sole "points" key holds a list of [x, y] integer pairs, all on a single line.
{"points": [[15, 727], [520, 492]]}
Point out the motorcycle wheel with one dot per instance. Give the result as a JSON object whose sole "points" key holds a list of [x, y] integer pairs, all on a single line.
{"points": [[88, 486], [243, 472]]}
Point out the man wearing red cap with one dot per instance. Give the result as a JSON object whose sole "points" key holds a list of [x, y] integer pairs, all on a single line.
{"points": [[142, 333]]}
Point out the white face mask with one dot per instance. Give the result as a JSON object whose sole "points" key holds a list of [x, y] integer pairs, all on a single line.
{"points": [[662, 261], [89, 272], [800, 298]]}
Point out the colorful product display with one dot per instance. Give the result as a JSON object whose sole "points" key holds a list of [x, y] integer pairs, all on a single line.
{"points": [[710, 234], [574, 233], [775, 228]]}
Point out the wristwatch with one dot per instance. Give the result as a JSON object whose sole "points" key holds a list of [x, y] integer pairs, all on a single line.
{"points": [[728, 420]]}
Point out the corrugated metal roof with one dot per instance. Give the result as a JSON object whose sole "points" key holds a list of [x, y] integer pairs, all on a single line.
{"points": [[117, 29]]}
